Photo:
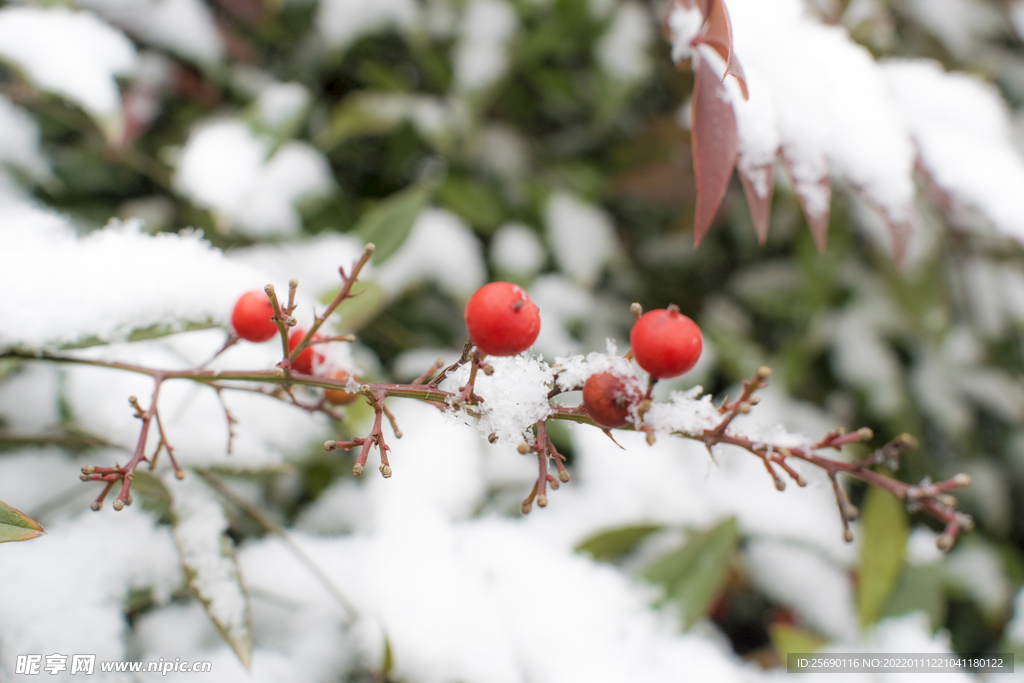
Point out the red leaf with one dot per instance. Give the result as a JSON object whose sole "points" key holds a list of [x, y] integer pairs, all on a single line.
{"points": [[714, 145], [717, 34], [815, 199], [760, 206]]}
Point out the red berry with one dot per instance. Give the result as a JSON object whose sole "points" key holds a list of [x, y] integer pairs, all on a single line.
{"points": [[502, 320], [666, 343], [340, 397], [304, 361], [609, 399], [252, 317]]}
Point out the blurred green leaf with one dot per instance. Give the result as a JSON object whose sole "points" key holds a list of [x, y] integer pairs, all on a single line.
{"points": [[883, 544], [918, 589], [472, 200], [353, 117], [367, 301], [15, 525], [614, 543], [786, 639], [388, 223], [695, 573]]}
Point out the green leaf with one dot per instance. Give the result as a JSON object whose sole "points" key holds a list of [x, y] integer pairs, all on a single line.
{"points": [[388, 223], [367, 301], [353, 117], [918, 589], [15, 525], [694, 574], [472, 200], [612, 544], [883, 544], [786, 639], [210, 563]]}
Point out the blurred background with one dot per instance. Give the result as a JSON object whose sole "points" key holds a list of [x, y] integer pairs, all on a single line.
{"points": [[546, 142]]}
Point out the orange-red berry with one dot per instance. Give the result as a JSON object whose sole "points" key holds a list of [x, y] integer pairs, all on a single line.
{"points": [[502, 320], [666, 343], [252, 317], [609, 399], [340, 397], [304, 361]]}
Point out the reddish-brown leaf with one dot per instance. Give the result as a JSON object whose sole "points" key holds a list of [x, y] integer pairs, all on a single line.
{"points": [[817, 220], [714, 145], [717, 34], [899, 232], [760, 205]]}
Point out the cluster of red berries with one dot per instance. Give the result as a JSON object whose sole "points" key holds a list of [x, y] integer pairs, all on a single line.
{"points": [[502, 321], [253, 320]]}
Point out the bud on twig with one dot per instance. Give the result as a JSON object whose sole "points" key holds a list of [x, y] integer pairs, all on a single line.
{"points": [[637, 310]]}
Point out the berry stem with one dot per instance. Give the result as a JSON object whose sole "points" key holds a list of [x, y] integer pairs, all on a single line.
{"points": [[346, 292]]}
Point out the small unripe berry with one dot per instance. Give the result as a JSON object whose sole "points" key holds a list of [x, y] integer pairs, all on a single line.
{"points": [[609, 399], [502, 320], [666, 343], [252, 317], [339, 397], [304, 361]]}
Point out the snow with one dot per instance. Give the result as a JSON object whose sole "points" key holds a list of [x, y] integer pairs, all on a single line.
{"points": [[186, 27], [29, 400], [831, 114], [19, 141], [921, 548], [582, 236], [314, 262], [504, 152], [1015, 629], [438, 239], [267, 433], [280, 103], [684, 24], [135, 280], [622, 50], [72, 54], [481, 56], [514, 397], [199, 531], [820, 592], [516, 249], [66, 590], [963, 134], [224, 167], [562, 301], [342, 22], [977, 568]]}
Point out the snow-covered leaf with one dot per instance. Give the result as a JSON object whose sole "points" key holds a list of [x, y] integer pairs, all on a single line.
{"points": [[72, 54], [137, 283], [210, 564], [758, 186], [883, 544], [15, 525]]}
